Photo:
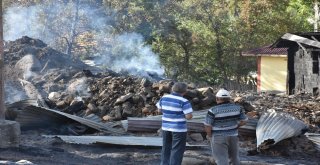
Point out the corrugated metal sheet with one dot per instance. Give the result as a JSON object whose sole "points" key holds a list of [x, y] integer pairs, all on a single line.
{"points": [[273, 127], [30, 115], [315, 138], [152, 124], [265, 51], [116, 140]]}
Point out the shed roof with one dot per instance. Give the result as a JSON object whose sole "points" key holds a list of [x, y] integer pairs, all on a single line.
{"points": [[308, 39], [266, 51]]}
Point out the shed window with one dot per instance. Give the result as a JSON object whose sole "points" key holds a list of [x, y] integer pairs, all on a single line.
{"points": [[315, 91], [315, 62]]}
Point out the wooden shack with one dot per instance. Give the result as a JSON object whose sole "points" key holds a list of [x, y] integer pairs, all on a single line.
{"points": [[303, 61], [271, 68]]}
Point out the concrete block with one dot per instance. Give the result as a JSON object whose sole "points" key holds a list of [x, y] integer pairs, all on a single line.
{"points": [[9, 134]]}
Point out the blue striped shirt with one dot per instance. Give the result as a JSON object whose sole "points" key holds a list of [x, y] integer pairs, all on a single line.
{"points": [[224, 119], [174, 108]]}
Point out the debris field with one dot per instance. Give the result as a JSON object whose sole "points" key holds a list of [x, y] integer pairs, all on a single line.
{"points": [[46, 89]]}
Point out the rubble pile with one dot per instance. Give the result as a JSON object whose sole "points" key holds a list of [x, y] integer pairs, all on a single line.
{"points": [[73, 87], [69, 85], [303, 106], [15, 50], [118, 97]]}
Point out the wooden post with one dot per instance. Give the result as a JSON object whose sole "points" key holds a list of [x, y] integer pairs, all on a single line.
{"points": [[9, 130], [1, 67]]}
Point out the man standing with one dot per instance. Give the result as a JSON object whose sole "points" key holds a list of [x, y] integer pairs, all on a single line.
{"points": [[175, 110], [221, 125]]}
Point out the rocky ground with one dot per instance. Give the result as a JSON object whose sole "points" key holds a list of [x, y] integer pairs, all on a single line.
{"points": [[36, 71], [46, 151]]}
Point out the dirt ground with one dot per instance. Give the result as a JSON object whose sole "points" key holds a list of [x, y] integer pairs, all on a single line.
{"points": [[52, 151]]}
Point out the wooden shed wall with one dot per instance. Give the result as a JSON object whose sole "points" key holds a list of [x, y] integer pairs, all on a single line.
{"points": [[306, 81]]}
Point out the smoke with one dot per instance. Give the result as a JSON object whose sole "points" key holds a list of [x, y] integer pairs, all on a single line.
{"points": [[13, 94], [27, 75], [50, 23], [79, 87], [127, 52], [20, 21]]}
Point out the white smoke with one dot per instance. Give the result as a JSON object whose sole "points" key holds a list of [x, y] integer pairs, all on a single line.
{"points": [[124, 52], [20, 21], [79, 87], [13, 94], [127, 52]]}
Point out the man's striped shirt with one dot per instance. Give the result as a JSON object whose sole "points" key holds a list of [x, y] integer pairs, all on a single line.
{"points": [[174, 108], [224, 119]]}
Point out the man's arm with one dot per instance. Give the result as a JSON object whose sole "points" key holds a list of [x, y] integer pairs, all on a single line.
{"points": [[208, 123], [243, 118], [208, 130], [189, 116], [241, 123], [159, 111], [187, 110]]}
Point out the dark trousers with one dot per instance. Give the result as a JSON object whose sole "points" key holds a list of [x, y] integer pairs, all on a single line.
{"points": [[173, 147]]}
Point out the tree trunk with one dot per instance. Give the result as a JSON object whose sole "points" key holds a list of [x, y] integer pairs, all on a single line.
{"points": [[73, 33], [219, 50], [186, 60]]}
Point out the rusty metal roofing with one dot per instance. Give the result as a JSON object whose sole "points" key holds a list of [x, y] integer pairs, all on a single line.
{"points": [[265, 51], [273, 127]]}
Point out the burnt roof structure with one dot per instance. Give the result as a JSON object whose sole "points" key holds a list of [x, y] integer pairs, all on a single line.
{"points": [[309, 39]]}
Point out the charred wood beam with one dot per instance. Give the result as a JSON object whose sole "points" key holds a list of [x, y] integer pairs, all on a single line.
{"points": [[301, 40]]}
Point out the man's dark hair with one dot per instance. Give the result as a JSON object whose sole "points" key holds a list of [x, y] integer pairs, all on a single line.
{"points": [[224, 99], [179, 87]]}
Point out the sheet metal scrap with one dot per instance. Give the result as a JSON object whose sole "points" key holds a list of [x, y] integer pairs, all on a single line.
{"points": [[153, 123], [273, 127], [315, 138], [30, 115], [115, 140]]}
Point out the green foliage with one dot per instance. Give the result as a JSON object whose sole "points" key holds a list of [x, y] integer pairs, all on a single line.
{"points": [[196, 40]]}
